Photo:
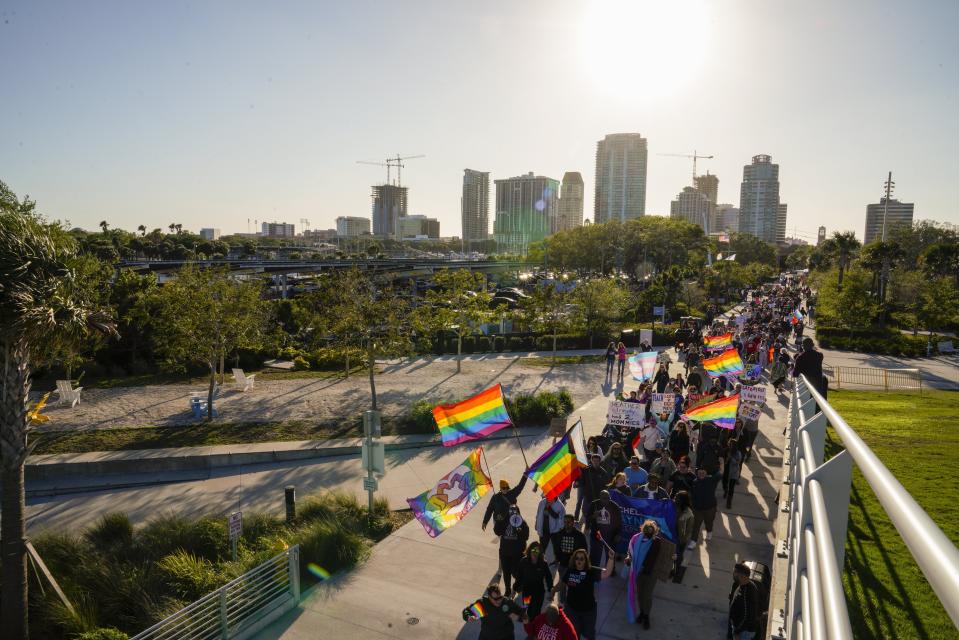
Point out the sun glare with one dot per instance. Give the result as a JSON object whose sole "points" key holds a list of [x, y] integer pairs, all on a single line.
{"points": [[639, 49]]}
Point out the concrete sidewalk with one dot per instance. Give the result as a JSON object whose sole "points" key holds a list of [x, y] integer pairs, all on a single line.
{"points": [[415, 587]]}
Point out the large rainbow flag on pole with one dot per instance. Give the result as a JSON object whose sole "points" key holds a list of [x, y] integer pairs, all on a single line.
{"points": [[642, 366], [727, 363], [453, 497], [473, 418], [722, 412], [718, 342], [562, 463]]}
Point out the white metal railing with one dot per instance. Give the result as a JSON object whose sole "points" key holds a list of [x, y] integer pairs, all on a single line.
{"points": [[817, 504], [874, 377], [239, 608]]}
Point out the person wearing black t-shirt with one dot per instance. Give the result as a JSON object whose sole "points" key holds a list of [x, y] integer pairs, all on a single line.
{"points": [[580, 597], [496, 623]]}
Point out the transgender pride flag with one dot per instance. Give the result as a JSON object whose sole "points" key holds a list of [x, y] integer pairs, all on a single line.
{"points": [[642, 366]]}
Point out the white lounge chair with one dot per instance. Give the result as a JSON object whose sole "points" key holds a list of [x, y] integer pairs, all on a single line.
{"points": [[68, 395], [243, 379]]}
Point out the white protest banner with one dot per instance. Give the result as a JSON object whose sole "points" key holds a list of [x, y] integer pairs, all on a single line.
{"points": [[662, 402], [625, 414], [646, 336], [755, 394], [750, 411]]}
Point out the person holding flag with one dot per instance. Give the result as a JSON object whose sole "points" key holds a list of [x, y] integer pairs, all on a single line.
{"points": [[494, 613], [534, 580], [499, 505]]}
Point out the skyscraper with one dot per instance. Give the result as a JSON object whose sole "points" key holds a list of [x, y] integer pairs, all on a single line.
{"points": [[709, 185], [692, 205], [821, 237], [759, 199], [570, 204], [474, 206], [727, 218], [620, 178], [389, 205], [525, 205], [781, 222], [899, 215]]}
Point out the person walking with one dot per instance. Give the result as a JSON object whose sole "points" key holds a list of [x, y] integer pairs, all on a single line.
{"points": [[653, 489], [565, 542], [703, 498], [661, 379], [663, 466], [549, 519], [591, 481], [511, 546], [621, 356], [610, 359], [616, 460], [732, 467], [620, 484], [743, 605], [535, 579], [604, 524], [552, 624], [496, 622], [580, 601], [635, 474], [684, 530], [682, 480], [678, 442], [644, 550], [809, 364], [499, 504]]}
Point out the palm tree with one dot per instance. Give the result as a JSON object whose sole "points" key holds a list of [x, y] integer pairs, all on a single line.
{"points": [[172, 227], [179, 228], [846, 247], [105, 226], [38, 304], [142, 229]]}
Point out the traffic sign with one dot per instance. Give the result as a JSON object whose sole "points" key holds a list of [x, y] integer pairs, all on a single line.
{"points": [[236, 525], [376, 463], [369, 484]]}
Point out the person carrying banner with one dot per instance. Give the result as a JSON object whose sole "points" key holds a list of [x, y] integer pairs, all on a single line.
{"points": [[534, 580], [494, 613], [644, 550], [499, 505]]}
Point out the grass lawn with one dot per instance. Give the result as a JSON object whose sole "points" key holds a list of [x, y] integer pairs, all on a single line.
{"points": [[547, 360], [144, 379], [917, 438]]}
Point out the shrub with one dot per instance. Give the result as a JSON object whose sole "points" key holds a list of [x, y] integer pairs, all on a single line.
{"points": [[499, 343], [112, 530], [103, 633], [330, 545], [258, 525], [300, 364], [539, 409], [420, 418], [315, 508], [206, 537], [188, 576], [329, 358]]}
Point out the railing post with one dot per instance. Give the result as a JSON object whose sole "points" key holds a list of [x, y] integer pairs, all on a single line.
{"points": [[294, 568], [835, 477], [839, 377], [224, 625], [885, 379]]}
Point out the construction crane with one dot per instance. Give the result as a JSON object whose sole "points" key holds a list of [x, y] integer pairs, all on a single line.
{"points": [[695, 156], [390, 163]]}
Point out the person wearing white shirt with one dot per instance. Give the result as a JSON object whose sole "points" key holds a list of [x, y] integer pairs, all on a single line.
{"points": [[549, 520]]}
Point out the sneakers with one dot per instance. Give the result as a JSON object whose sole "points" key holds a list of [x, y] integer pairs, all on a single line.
{"points": [[708, 536], [691, 545]]}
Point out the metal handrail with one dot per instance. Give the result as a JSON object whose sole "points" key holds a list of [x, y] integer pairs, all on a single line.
{"points": [[935, 554]]}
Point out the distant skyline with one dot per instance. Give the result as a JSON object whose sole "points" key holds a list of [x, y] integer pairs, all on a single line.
{"points": [[212, 113]]}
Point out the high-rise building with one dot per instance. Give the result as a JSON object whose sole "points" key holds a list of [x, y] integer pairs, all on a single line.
{"points": [[570, 205], [389, 205], [692, 205], [759, 199], [620, 178], [709, 184], [352, 226], [899, 215], [210, 234], [726, 219], [781, 222], [474, 206], [821, 237], [418, 227], [524, 207], [278, 230]]}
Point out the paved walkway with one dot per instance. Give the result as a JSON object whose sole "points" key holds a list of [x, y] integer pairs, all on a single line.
{"points": [[415, 586]]}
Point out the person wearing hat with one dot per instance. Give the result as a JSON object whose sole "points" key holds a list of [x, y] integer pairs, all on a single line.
{"points": [[511, 546], [499, 504]]}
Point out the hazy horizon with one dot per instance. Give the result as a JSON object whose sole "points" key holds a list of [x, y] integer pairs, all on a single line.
{"points": [[213, 113]]}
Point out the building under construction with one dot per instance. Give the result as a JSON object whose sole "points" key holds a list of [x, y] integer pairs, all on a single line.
{"points": [[389, 205]]}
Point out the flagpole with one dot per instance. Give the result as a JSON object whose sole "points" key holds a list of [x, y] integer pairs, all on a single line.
{"points": [[516, 433]]}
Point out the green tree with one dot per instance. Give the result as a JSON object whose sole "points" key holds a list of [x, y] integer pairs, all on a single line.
{"points": [[38, 307], [941, 260], [748, 248], [547, 311], [848, 307], [846, 246], [90, 283], [799, 257], [599, 302], [460, 303], [939, 303], [205, 315]]}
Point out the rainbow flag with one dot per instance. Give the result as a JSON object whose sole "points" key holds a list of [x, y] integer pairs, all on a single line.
{"points": [[722, 412], [642, 366], [472, 419], [453, 497], [526, 601], [795, 317], [718, 342], [562, 463], [477, 609], [727, 363]]}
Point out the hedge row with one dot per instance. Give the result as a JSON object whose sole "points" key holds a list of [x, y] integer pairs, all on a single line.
{"points": [[889, 343], [526, 410]]}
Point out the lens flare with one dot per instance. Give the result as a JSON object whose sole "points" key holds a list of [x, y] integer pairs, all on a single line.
{"points": [[318, 571]]}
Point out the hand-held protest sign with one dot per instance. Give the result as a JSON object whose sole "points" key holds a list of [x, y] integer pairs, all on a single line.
{"points": [[625, 414], [755, 394], [662, 402]]}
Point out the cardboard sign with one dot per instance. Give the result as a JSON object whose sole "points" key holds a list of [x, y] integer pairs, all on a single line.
{"points": [[625, 414], [557, 427], [750, 411], [755, 394], [662, 402]]}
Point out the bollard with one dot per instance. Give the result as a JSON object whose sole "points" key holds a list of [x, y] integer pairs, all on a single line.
{"points": [[290, 493]]}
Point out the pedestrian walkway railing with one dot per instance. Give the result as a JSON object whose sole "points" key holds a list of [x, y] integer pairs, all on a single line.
{"points": [[238, 609], [816, 501], [874, 377]]}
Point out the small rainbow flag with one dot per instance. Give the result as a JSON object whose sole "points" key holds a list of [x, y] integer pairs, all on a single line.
{"points": [[477, 609], [473, 418], [642, 366], [796, 317], [722, 412], [526, 601], [718, 342], [555, 470], [727, 363]]}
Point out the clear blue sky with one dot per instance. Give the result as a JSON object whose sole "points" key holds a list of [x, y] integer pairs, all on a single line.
{"points": [[210, 113]]}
